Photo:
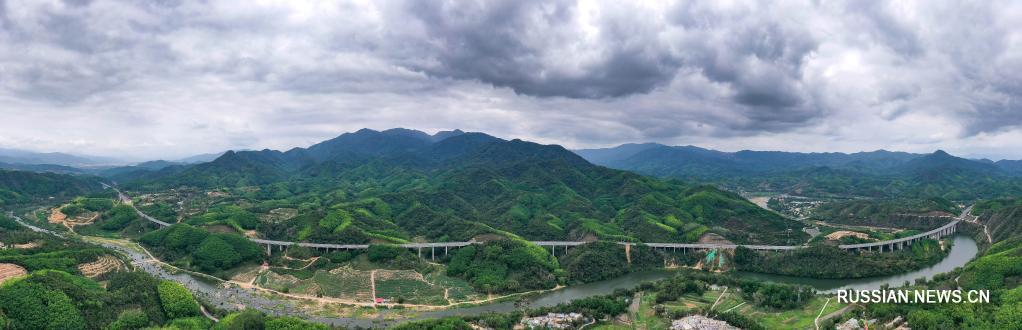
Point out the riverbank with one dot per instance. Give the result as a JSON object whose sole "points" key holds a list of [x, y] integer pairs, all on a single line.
{"points": [[232, 296], [963, 249]]}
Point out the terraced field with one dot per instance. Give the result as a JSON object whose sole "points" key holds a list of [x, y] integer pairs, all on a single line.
{"points": [[346, 282], [407, 286], [102, 265]]}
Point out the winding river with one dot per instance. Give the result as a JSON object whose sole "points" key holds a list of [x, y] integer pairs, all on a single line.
{"points": [[962, 251]]}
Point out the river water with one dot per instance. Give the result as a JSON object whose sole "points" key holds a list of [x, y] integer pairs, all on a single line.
{"points": [[963, 250]]}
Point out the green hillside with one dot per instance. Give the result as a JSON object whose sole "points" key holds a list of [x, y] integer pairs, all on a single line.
{"points": [[396, 186]]}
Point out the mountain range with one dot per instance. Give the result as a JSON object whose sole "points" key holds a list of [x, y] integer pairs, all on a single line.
{"points": [[878, 173], [399, 185]]}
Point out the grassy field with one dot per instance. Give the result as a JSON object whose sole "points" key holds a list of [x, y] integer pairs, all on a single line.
{"points": [[791, 319], [646, 318], [771, 319]]}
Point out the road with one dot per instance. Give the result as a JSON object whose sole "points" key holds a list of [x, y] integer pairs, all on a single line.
{"points": [[975, 220]]}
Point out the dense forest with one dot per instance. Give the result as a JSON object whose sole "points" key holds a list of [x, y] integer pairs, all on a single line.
{"points": [[17, 187], [196, 248], [505, 266], [55, 294], [599, 261], [401, 185], [917, 214], [827, 261]]}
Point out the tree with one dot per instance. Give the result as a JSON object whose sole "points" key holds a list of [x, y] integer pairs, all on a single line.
{"points": [[215, 254], [248, 319], [61, 312], [176, 300], [1009, 317], [291, 323], [130, 319]]}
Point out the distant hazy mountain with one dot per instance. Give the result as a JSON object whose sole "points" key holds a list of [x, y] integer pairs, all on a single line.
{"points": [[1011, 166], [15, 156], [201, 158], [876, 173], [42, 168], [605, 156], [683, 161]]}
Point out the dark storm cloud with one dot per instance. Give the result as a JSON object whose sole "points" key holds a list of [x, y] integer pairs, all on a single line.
{"points": [[880, 74], [515, 44]]}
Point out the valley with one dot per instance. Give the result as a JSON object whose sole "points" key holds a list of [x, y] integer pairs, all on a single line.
{"points": [[399, 229]]}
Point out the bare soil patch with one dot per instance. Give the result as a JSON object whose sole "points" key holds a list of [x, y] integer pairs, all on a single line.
{"points": [[837, 235], [8, 271]]}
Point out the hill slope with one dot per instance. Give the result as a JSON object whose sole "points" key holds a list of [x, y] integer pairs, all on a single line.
{"points": [[22, 187], [400, 185]]}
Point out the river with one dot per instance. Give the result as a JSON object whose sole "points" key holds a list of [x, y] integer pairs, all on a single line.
{"points": [[963, 250]]}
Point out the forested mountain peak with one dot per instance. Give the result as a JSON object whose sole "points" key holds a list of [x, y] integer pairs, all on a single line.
{"points": [[400, 184]]}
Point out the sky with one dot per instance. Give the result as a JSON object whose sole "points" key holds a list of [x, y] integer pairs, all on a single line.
{"points": [[169, 79]]}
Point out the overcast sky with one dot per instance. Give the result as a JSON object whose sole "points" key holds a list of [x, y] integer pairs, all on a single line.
{"points": [[167, 79]]}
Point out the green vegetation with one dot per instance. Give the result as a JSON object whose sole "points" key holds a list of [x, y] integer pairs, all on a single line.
{"points": [[255, 320], [994, 205], [389, 187], [176, 300], [763, 305], [452, 323], [196, 248], [46, 252], [378, 253], [1001, 217], [891, 213], [54, 296], [230, 215], [18, 187], [118, 218], [504, 266], [777, 296], [599, 261], [877, 174], [832, 262], [998, 269]]}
